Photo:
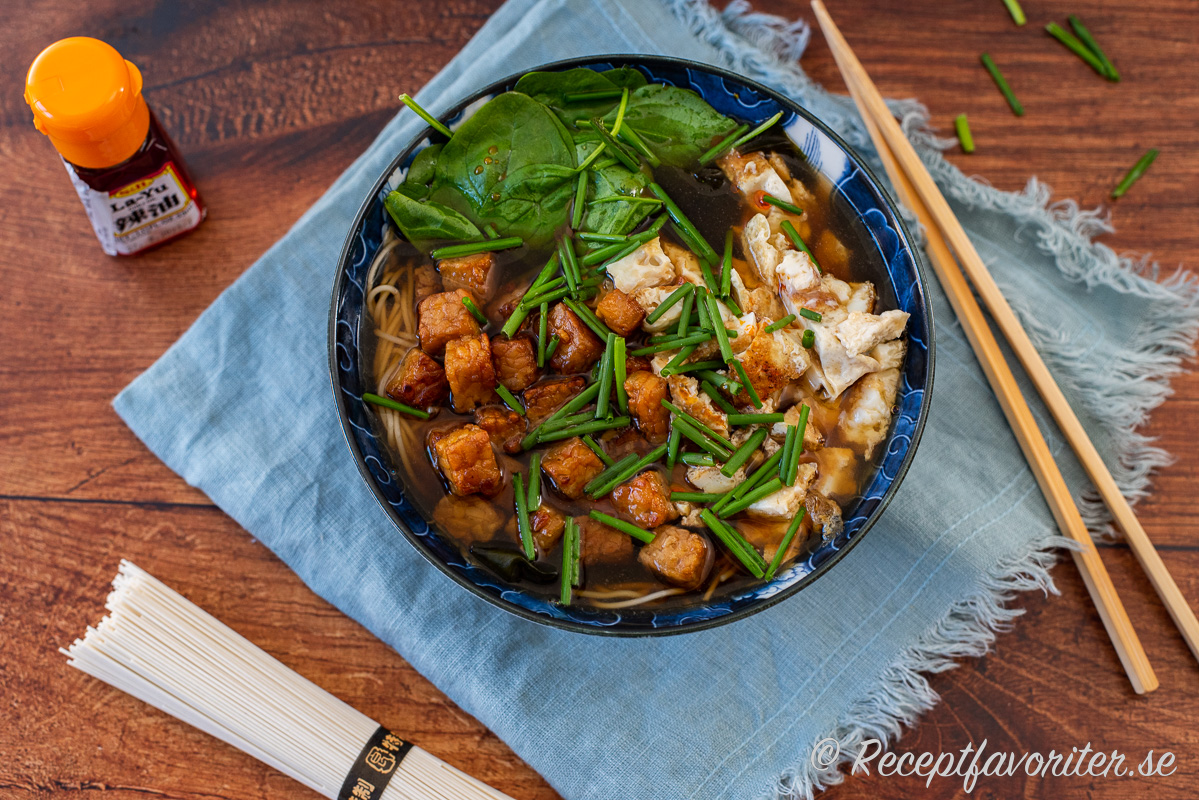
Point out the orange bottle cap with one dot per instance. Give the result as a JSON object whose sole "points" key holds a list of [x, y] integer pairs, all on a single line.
{"points": [[88, 100]]}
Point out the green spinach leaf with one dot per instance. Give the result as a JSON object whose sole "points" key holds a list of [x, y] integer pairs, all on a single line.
{"points": [[551, 89], [677, 124], [426, 222]]}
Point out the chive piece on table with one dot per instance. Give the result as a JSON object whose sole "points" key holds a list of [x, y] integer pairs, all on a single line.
{"points": [[585, 427], [622, 526], [716, 437], [809, 339], [1076, 47], [672, 448], [522, 515], [534, 481], [742, 453], [1013, 8], [674, 297], [474, 310], [435, 123], [614, 146], [755, 419], [1136, 172], [783, 204], [605, 378], [542, 333], [749, 386], [619, 368], [576, 212], [1002, 83], [595, 447], [705, 251], [758, 131], [735, 543], [387, 402], [779, 324], [697, 459], [1085, 35], [717, 397], [472, 248], [586, 97], [808, 313], [628, 472], [777, 561], [798, 241], [509, 399], [965, 138], [718, 149]]}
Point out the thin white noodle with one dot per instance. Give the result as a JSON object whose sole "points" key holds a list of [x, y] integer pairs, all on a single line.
{"points": [[610, 594], [160, 648], [407, 339], [649, 598]]}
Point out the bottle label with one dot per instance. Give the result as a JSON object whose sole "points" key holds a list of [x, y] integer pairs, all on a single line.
{"points": [[141, 214]]}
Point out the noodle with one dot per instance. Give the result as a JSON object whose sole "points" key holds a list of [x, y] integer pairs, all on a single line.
{"points": [[160, 648], [649, 598]]}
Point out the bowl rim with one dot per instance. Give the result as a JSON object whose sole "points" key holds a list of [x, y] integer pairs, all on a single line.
{"points": [[632, 59]]}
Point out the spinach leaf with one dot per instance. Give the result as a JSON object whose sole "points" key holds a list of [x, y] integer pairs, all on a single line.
{"points": [[421, 170], [551, 89], [625, 77], [615, 217], [423, 223], [677, 124], [531, 202]]}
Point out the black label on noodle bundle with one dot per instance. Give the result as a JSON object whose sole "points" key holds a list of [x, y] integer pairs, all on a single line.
{"points": [[375, 765]]}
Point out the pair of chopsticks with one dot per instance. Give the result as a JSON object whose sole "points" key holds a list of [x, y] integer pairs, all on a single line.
{"points": [[917, 190]]}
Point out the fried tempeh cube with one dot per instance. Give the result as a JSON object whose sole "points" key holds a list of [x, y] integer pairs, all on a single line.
{"points": [[515, 362], [465, 459], [474, 273], [646, 392], [418, 381], [645, 500], [444, 317], [620, 312], [600, 544], [505, 427], [678, 556], [578, 347], [469, 370], [570, 465], [545, 397]]}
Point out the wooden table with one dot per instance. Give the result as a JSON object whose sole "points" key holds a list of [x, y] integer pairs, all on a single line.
{"points": [[270, 101]]}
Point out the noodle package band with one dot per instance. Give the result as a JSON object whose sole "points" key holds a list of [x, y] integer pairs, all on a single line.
{"points": [[159, 647], [732, 712]]}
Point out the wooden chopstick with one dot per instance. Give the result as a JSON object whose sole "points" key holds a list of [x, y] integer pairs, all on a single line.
{"points": [[905, 170]]}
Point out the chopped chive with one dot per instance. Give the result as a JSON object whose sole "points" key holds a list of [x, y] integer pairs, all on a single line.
{"points": [[595, 447], [672, 448], [570, 268], [586, 427], [628, 198], [794, 526], [588, 236], [701, 308], [697, 459], [631, 136], [760, 493], [588, 318], [549, 351], [629, 471], [672, 298], [698, 438], [693, 366], [567, 421], [695, 497], [717, 397], [726, 265], [786, 450], [758, 131], [619, 375], [808, 313], [779, 324], [567, 574], [749, 386], [697, 423], [705, 251], [783, 204], [616, 147], [578, 401], [724, 144], [474, 310], [685, 313], [710, 280], [675, 365], [576, 212], [543, 293], [509, 399], [434, 123], [965, 138], [1013, 8], [1085, 35], [809, 339], [622, 526], [490, 232], [1076, 47], [1137, 171], [514, 322], [576, 548], [671, 344], [589, 162], [631, 246], [797, 448], [742, 453], [585, 97], [542, 333], [609, 473], [798, 241], [720, 381], [1001, 82], [605, 378], [535, 481], [473, 248], [735, 543], [387, 402], [522, 515], [620, 109], [760, 474], [722, 336], [755, 419]]}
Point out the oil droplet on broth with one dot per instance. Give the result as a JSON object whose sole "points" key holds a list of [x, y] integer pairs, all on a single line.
{"points": [[478, 170], [487, 160], [493, 149]]}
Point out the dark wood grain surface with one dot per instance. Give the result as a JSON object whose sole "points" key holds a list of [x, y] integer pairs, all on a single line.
{"points": [[270, 100]]}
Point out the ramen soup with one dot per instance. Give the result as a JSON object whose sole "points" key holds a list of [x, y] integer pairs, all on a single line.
{"points": [[623, 348]]}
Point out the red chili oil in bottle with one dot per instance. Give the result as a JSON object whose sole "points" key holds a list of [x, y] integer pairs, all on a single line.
{"points": [[128, 173]]}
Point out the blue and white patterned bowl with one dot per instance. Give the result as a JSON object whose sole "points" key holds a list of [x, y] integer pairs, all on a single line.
{"points": [[896, 271]]}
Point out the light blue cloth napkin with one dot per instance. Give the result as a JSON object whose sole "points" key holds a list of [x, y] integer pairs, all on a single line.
{"points": [[732, 712]]}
